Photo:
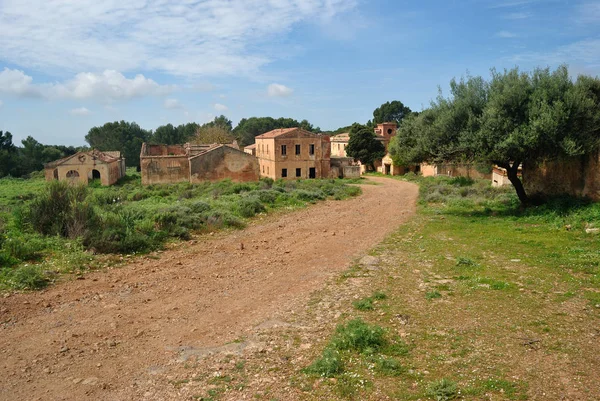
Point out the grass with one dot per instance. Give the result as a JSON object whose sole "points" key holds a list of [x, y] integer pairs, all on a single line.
{"points": [[48, 229], [521, 300]]}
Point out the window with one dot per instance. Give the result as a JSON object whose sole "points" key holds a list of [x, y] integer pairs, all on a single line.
{"points": [[298, 170], [283, 150], [297, 149], [267, 149], [311, 149], [284, 171], [263, 169], [267, 167]]}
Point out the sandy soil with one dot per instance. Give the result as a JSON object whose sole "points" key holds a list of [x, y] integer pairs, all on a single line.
{"points": [[110, 335]]}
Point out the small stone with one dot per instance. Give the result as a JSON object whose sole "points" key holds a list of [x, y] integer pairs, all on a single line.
{"points": [[77, 381], [64, 349], [90, 381], [592, 230]]}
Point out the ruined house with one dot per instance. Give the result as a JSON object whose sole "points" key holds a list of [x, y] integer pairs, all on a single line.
{"points": [[251, 149], [292, 153], [165, 164], [107, 167]]}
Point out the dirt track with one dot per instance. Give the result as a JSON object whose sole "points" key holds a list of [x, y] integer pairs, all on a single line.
{"points": [[107, 335]]}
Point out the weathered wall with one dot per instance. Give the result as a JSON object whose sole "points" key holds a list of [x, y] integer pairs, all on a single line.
{"points": [[164, 169], [224, 162], [578, 176], [343, 167]]}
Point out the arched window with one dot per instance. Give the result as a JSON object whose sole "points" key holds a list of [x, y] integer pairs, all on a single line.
{"points": [[95, 174], [72, 175]]}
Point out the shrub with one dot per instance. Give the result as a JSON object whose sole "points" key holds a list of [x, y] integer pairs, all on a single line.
{"points": [[61, 209], [328, 365], [199, 207], [250, 206], [28, 278], [442, 390], [309, 196], [268, 196], [219, 218], [389, 366], [359, 336], [363, 304], [24, 248]]}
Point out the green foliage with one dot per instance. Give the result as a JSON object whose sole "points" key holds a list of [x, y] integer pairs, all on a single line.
{"points": [[394, 111], [329, 364], [389, 366], [364, 146], [119, 135], [363, 304], [61, 209], [28, 277], [170, 135], [433, 295], [442, 390], [359, 336]]}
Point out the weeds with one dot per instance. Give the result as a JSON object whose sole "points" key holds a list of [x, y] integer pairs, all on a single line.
{"points": [[442, 390]]}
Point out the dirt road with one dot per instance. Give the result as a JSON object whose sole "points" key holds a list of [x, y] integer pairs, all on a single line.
{"points": [[107, 336]]}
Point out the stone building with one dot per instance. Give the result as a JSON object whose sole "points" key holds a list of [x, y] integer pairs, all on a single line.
{"points": [[292, 153], [107, 167], [251, 149], [576, 176], [383, 132], [165, 164]]}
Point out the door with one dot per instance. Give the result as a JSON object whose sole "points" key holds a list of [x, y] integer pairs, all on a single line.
{"points": [[312, 172]]}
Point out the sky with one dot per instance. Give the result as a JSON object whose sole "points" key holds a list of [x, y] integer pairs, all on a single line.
{"points": [[66, 66]]}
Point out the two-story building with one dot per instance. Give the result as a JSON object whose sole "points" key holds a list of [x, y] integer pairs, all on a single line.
{"points": [[292, 153]]}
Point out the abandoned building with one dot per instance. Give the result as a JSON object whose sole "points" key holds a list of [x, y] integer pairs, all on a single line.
{"points": [[165, 164], [251, 149], [576, 176], [292, 153], [383, 132], [85, 166]]}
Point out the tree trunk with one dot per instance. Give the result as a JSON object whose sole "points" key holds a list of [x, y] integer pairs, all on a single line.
{"points": [[511, 173]]}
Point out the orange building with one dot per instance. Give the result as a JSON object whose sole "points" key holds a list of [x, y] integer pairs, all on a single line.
{"points": [[292, 153]]}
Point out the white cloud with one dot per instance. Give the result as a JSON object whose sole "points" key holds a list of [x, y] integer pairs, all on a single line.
{"points": [[278, 90], [517, 16], [172, 104], [179, 37], [80, 111], [505, 35], [583, 53], [107, 86], [220, 107]]}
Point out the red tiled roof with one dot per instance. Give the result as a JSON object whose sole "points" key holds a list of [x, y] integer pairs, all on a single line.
{"points": [[276, 132], [253, 146]]}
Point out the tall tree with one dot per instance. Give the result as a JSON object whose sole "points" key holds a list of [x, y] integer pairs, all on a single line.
{"points": [[364, 146], [119, 135], [394, 111], [208, 134], [515, 118], [222, 122], [8, 155]]}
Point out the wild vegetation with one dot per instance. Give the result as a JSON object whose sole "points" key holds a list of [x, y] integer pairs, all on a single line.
{"points": [[47, 229], [475, 319]]}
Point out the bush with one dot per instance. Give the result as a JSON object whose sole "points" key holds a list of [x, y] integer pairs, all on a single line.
{"points": [[363, 304], [328, 365], [268, 196], [61, 209], [28, 278], [442, 390], [219, 218], [359, 336], [389, 366], [250, 206], [200, 207]]}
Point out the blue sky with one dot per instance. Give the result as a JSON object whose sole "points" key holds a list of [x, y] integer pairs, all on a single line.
{"points": [[68, 66]]}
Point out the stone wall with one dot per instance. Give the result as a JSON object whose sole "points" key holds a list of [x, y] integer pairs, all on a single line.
{"points": [[224, 162], [578, 176]]}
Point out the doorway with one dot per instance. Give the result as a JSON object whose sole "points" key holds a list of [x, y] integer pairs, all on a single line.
{"points": [[388, 169], [312, 172]]}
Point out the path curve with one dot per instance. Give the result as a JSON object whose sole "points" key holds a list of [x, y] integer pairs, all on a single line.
{"points": [[100, 337]]}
